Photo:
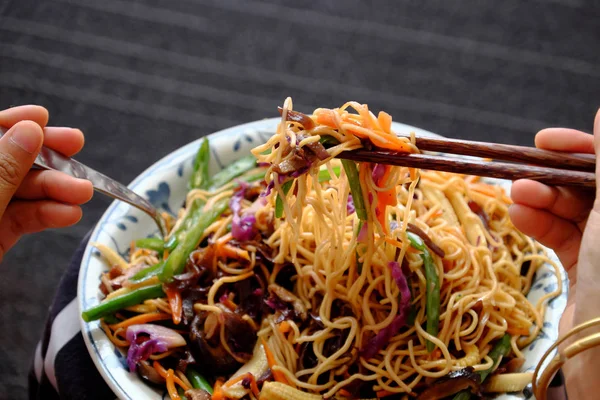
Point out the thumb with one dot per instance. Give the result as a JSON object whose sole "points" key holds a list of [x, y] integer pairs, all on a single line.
{"points": [[588, 274], [18, 149]]}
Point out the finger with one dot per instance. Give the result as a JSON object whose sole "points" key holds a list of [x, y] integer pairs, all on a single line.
{"points": [[11, 116], [562, 236], [67, 141], [22, 217], [566, 203], [55, 185], [597, 149], [562, 139], [18, 149]]}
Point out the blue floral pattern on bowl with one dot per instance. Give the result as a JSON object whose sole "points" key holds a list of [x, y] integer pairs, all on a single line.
{"points": [[164, 184]]}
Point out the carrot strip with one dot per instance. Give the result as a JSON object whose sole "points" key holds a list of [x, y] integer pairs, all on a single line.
{"points": [[284, 327], [218, 391], [513, 330], [171, 386], [163, 372], [345, 393], [141, 319], [176, 304], [385, 120], [384, 393], [278, 375], [253, 384]]}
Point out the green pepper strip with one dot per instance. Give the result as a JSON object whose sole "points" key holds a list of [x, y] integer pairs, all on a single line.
{"points": [[151, 244], [324, 175], [181, 394], [355, 189], [200, 178], [147, 273], [433, 288], [132, 298], [197, 380], [501, 348], [232, 171], [279, 201], [175, 264]]}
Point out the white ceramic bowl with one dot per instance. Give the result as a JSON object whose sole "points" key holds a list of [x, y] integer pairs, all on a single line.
{"points": [[164, 185]]}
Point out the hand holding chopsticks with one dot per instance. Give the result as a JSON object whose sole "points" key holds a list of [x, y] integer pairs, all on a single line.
{"points": [[545, 166]]}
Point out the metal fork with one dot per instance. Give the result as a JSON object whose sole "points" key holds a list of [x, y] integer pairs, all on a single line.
{"points": [[50, 159]]}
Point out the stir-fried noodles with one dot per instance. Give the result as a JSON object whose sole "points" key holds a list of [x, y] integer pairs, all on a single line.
{"points": [[292, 274]]}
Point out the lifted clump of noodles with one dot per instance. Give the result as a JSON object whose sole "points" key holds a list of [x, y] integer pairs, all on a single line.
{"points": [[293, 275]]}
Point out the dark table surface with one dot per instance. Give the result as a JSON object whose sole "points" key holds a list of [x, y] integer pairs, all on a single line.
{"points": [[142, 78]]}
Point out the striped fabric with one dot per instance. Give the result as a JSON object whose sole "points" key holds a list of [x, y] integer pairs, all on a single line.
{"points": [[164, 72]]}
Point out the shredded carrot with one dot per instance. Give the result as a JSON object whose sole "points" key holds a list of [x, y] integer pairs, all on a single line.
{"points": [[253, 385], [132, 247], [385, 120], [176, 304], [171, 385], [218, 391], [141, 319], [345, 393], [284, 327], [165, 255], [517, 330], [278, 375], [384, 393], [164, 373], [229, 251]]}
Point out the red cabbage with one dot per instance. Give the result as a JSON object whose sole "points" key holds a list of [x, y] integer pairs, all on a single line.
{"points": [[243, 225], [350, 209], [378, 171], [362, 234], [160, 339], [385, 335]]}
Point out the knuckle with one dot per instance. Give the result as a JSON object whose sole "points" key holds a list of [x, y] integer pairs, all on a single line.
{"points": [[10, 171]]}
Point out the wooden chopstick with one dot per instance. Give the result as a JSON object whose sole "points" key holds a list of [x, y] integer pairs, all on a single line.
{"points": [[507, 152], [547, 175]]}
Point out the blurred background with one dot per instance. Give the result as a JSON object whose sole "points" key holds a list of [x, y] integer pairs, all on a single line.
{"points": [[142, 78]]}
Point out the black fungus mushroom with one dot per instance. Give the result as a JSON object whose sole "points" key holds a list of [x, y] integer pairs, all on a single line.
{"points": [[206, 343], [452, 383]]}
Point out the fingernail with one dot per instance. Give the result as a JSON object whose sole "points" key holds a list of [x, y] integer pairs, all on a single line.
{"points": [[26, 138]]}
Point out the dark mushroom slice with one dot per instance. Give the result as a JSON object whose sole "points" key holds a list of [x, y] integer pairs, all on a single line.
{"points": [[452, 383], [148, 373], [197, 394], [205, 342]]}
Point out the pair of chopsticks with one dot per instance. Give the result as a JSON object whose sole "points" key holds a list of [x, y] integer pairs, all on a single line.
{"points": [[550, 167]]}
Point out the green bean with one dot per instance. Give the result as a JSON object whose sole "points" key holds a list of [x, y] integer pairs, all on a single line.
{"points": [[355, 189], [198, 381], [200, 178], [132, 298], [175, 263], [501, 348], [147, 273], [432, 290], [279, 201], [325, 176], [181, 393], [151, 244], [232, 171]]}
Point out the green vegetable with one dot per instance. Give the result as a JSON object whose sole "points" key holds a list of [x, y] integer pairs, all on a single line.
{"points": [[151, 244], [353, 179], [355, 189], [147, 273], [111, 319], [200, 178], [132, 298], [432, 290], [501, 348], [232, 171], [279, 201], [197, 380], [190, 219], [181, 393], [325, 176], [175, 264]]}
